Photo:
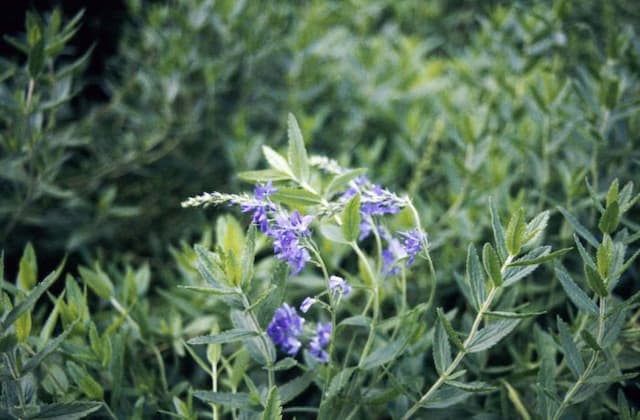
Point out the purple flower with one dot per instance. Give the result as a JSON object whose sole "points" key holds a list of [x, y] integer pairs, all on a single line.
{"points": [[306, 304], [262, 192], [284, 328], [261, 206], [391, 254], [338, 285], [286, 234], [412, 242], [320, 341]]}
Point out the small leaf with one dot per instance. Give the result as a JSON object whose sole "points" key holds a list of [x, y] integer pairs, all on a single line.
{"points": [[490, 335], [240, 400], [351, 219], [595, 281], [385, 353], [536, 227], [296, 197], [273, 407], [339, 381], [276, 161], [491, 264], [85, 381], [35, 61], [603, 257], [513, 315], [583, 253], [28, 272], [285, 364], [229, 336], [475, 386], [579, 228], [539, 260], [333, 233], [612, 193], [498, 231], [575, 294], [571, 353], [590, 340], [446, 397], [295, 387], [340, 182], [514, 236], [610, 218], [264, 175], [441, 348], [248, 255], [448, 328], [68, 411], [49, 348], [475, 277], [98, 281], [298, 160]]}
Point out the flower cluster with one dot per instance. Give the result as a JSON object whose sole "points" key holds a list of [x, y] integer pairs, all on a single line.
{"points": [[409, 247], [261, 206], [285, 328], [320, 341], [339, 286], [287, 234]]}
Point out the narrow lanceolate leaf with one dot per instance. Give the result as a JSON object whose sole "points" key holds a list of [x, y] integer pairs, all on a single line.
{"points": [[448, 328], [536, 227], [296, 386], [229, 336], [604, 255], [586, 258], [341, 182], [98, 281], [575, 293], [351, 219], [386, 353], [49, 348], [610, 218], [276, 161], [475, 277], [475, 386], [538, 260], [247, 256], [296, 197], [273, 407], [446, 397], [491, 335], [227, 399], [264, 175], [590, 340], [579, 228], [491, 264], [68, 411], [595, 281], [514, 236], [513, 315], [28, 273], [339, 381], [571, 353], [209, 268], [31, 298], [441, 348], [298, 160], [498, 231]]}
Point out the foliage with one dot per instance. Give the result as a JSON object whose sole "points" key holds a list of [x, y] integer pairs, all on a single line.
{"points": [[496, 276]]}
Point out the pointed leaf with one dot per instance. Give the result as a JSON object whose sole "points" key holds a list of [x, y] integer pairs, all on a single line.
{"points": [[298, 160], [539, 260], [579, 228], [475, 386], [264, 175], [610, 218], [295, 387], [68, 411], [575, 293], [339, 381], [28, 272], [476, 277], [571, 353], [514, 236], [240, 400], [498, 231], [49, 348], [441, 348], [273, 408], [351, 219], [448, 328], [276, 161], [491, 264], [296, 197], [339, 183], [491, 335], [513, 315], [595, 281], [229, 336]]}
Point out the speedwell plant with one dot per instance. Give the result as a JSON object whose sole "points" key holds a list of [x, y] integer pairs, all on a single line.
{"points": [[340, 332]]}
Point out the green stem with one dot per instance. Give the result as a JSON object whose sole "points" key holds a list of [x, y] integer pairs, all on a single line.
{"points": [[376, 299], [486, 305]]}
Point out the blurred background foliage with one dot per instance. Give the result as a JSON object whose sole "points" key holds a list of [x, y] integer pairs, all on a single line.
{"points": [[450, 101]]}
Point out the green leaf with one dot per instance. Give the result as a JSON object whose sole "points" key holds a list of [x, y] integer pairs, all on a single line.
{"points": [[49, 348], [333, 233], [536, 227], [298, 160], [595, 281], [229, 336], [385, 353], [68, 411], [28, 272], [441, 348], [339, 183], [210, 269], [295, 387], [571, 353], [518, 272], [240, 400], [491, 264], [276, 161], [209, 290], [85, 381], [296, 197], [586, 258], [356, 321], [490, 335], [35, 61], [513, 315], [604, 255], [98, 281], [514, 236], [590, 340], [339, 381], [351, 219], [575, 293], [476, 277], [446, 397], [610, 379], [579, 228], [474, 386], [32, 297], [539, 260], [498, 231], [248, 255], [273, 408], [448, 328], [612, 193], [264, 175], [285, 364], [23, 327], [610, 218]]}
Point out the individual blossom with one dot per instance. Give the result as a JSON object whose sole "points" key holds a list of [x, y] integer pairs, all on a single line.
{"points": [[285, 328], [412, 242], [390, 255], [338, 285], [320, 341], [287, 233], [306, 304]]}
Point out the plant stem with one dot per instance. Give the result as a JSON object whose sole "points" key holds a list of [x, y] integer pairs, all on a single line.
{"points": [[376, 299], [592, 364], [486, 305]]}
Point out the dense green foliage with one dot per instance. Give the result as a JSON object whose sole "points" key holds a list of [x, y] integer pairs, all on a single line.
{"points": [[520, 119]]}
